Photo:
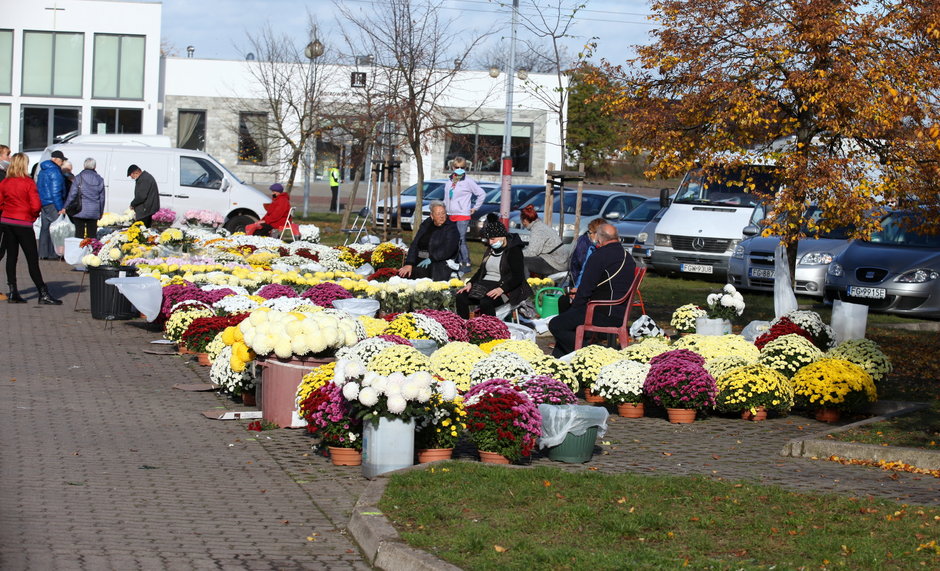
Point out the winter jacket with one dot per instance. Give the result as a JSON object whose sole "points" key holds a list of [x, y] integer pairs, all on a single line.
{"points": [[545, 243], [91, 185], [277, 211], [442, 246], [19, 199], [146, 196], [512, 272], [608, 274], [463, 197], [51, 184]]}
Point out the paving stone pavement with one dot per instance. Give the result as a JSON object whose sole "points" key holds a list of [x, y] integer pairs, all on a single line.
{"points": [[105, 466]]}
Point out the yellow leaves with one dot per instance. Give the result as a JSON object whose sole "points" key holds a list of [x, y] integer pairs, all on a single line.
{"points": [[500, 549]]}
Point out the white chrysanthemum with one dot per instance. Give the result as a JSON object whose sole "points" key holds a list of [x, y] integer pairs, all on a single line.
{"points": [[448, 390], [394, 386], [351, 391], [424, 395], [411, 389], [368, 396], [396, 404]]}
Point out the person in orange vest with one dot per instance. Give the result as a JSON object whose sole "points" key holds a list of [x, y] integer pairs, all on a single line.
{"points": [[276, 215]]}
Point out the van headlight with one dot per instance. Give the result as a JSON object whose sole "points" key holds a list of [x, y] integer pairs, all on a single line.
{"points": [[738, 252], [918, 276], [662, 240], [641, 237], [733, 245], [816, 258], [569, 229], [835, 270]]}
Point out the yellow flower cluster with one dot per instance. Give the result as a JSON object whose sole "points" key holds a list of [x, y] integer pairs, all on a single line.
{"points": [[866, 354], [587, 362], [403, 359], [171, 236], [490, 345], [351, 257], [833, 383], [261, 258], [536, 283], [374, 326], [315, 379], [721, 365], [404, 326], [714, 346], [241, 354], [684, 317], [557, 369], [528, 350], [454, 361], [381, 251], [646, 349], [789, 353], [751, 386]]}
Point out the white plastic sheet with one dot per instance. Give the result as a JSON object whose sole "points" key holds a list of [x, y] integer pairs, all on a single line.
{"points": [[357, 306], [520, 332], [849, 320], [784, 297], [74, 252], [560, 419], [144, 292], [365, 270]]}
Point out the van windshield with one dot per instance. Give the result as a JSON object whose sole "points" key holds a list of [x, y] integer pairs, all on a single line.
{"points": [[737, 187]]}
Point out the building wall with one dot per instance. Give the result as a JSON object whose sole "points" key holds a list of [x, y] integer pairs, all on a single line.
{"points": [[87, 17]]}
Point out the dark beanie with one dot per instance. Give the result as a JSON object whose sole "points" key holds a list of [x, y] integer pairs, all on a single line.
{"points": [[493, 228]]}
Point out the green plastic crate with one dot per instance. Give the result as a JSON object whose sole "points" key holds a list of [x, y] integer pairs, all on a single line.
{"points": [[575, 449]]}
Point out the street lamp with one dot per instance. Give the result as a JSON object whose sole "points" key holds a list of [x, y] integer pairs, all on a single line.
{"points": [[506, 193], [313, 50]]}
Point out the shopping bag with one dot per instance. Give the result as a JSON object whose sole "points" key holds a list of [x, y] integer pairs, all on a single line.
{"points": [[59, 230]]}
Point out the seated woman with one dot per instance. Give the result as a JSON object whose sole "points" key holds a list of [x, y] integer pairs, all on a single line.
{"points": [[544, 254], [502, 275], [276, 216], [435, 244]]}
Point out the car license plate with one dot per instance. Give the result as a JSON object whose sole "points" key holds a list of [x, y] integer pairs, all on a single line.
{"points": [[695, 268], [407, 219], [868, 292], [761, 273]]}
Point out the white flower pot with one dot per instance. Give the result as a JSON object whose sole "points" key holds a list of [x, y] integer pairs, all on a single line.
{"points": [[388, 446], [708, 326]]}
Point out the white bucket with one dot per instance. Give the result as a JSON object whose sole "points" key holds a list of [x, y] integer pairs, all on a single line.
{"points": [[388, 446]]}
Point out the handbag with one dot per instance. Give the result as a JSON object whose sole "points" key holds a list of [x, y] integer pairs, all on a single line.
{"points": [[75, 206], [478, 291]]}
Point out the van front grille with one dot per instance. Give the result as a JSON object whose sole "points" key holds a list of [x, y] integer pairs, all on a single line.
{"points": [[695, 244]]}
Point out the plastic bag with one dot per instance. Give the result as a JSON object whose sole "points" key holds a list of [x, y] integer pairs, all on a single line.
{"points": [[755, 329], [61, 229], [74, 252], [849, 320], [144, 292], [357, 306], [560, 419], [784, 298], [644, 326], [365, 270]]}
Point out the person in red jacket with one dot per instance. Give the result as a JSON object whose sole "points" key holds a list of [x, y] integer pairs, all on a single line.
{"points": [[20, 205], [276, 215]]}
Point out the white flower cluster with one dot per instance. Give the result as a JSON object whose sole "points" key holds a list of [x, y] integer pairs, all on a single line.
{"points": [[812, 323], [113, 219], [621, 381], [728, 297], [294, 333], [434, 330], [366, 388], [500, 365], [290, 304], [230, 381], [235, 304], [239, 290], [363, 351], [309, 232]]}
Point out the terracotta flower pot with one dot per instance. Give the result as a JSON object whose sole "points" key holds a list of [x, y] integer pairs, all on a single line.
{"points": [[345, 456], [426, 455], [681, 415], [493, 458], [591, 397], [828, 414], [183, 350], [249, 398], [203, 359], [630, 409], [759, 414]]}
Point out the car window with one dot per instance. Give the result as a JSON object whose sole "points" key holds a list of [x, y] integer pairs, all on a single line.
{"points": [[616, 207], [737, 187], [900, 229], [199, 172], [644, 212]]}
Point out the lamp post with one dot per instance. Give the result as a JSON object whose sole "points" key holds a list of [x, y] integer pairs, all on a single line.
{"points": [[313, 50], [506, 193]]}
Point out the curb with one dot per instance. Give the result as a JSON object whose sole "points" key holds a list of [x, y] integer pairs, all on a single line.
{"points": [[817, 445], [379, 541]]}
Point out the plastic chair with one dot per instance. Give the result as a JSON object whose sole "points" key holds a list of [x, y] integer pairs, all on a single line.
{"points": [[288, 225], [623, 330], [361, 225]]}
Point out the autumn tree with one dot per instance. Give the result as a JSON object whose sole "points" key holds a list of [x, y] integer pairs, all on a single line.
{"points": [[840, 94], [594, 134]]}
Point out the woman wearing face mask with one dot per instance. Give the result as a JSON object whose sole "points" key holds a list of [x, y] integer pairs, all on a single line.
{"points": [[502, 274]]}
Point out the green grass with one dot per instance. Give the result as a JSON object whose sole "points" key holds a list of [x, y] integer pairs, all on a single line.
{"points": [[920, 429], [483, 517]]}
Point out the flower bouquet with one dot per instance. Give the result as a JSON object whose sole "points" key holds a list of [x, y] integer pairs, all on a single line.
{"points": [[781, 327], [683, 318], [163, 218], [455, 362], [182, 318], [387, 255], [396, 396], [751, 387], [328, 416], [455, 325], [502, 420], [833, 383], [587, 362], [621, 382], [789, 354], [417, 326], [228, 379], [203, 218], [810, 321], [727, 303], [404, 359], [309, 233], [676, 381], [866, 354]]}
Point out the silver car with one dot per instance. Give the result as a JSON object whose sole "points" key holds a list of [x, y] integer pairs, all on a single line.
{"points": [[896, 271], [611, 205]]}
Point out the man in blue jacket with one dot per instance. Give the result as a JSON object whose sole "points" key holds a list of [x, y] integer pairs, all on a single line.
{"points": [[51, 185]]}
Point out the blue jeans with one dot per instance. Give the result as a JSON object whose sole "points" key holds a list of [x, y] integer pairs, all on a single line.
{"points": [[463, 254]]}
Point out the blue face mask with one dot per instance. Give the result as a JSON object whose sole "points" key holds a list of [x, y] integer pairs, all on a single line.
{"points": [[498, 245]]}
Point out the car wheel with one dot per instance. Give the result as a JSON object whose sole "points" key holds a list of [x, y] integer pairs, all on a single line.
{"points": [[238, 223]]}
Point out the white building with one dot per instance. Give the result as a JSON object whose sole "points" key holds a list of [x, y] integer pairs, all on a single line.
{"points": [[91, 66]]}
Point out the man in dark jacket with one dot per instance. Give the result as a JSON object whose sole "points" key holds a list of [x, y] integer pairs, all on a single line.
{"points": [[146, 195], [433, 251], [51, 186], [608, 274]]}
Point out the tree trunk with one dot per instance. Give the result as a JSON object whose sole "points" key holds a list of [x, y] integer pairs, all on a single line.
{"points": [[419, 198]]}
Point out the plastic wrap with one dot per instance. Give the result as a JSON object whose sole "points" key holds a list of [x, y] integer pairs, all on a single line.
{"points": [[755, 329], [560, 419], [59, 230], [849, 320], [784, 297], [74, 252], [520, 332], [144, 292], [357, 306], [365, 270]]}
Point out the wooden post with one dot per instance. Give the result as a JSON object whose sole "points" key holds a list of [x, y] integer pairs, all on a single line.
{"points": [[577, 207], [549, 195]]}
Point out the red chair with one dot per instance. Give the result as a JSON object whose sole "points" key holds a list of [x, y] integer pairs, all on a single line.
{"points": [[623, 330]]}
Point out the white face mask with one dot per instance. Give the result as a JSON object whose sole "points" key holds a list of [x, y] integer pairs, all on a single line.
{"points": [[497, 245]]}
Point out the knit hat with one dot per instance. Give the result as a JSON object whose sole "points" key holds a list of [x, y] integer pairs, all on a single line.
{"points": [[276, 187], [493, 228]]}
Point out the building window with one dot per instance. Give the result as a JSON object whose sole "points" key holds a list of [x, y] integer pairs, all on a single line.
{"points": [[115, 120], [482, 145], [191, 130], [119, 67], [42, 126], [5, 123], [252, 137], [52, 63], [6, 62]]}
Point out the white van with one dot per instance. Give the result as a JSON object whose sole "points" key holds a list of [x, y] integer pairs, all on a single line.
{"points": [[188, 180], [704, 223]]}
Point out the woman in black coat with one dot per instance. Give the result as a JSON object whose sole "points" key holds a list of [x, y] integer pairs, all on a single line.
{"points": [[502, 277], [434, 248]]}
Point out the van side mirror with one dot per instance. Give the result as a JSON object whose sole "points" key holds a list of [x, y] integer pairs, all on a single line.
{"points": [[225, 184], [664, 197], [751, 230]]}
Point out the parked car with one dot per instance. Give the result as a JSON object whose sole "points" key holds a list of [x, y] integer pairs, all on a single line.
{"points": [[433, 190], [609, 204], [897, 270], [643, 246], [751, 266], [635, 221], [520, 194]]}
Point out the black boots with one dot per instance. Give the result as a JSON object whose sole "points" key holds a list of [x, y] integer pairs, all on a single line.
{"points": [[14, 295], [46, 299]]}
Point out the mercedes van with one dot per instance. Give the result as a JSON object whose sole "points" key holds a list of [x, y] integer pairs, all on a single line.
{"points": [[704, 222], [187, 180]]}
